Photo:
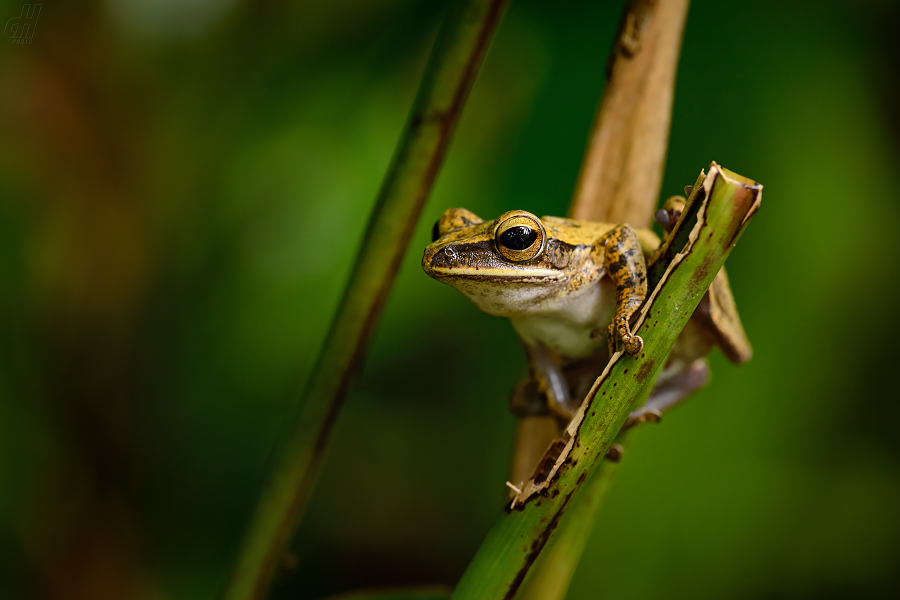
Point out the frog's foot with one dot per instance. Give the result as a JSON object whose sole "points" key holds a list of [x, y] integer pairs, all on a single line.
{"points": [[633, 344], [671, 211], [643, 415], [526, 400], [611, 340], [663, 220], [620, 330], [565, 410], [614, 453], [670, 393]]}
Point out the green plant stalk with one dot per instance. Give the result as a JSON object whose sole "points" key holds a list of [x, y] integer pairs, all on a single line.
{"points": [[455, 59], [721, 207], [551, 575], [552, 572]]}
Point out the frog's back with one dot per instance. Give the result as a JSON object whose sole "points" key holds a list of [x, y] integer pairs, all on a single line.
{"points": [[585, 233], [575, 232]]}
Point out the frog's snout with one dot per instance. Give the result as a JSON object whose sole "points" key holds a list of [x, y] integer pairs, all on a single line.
{"points": [[445, 257]]}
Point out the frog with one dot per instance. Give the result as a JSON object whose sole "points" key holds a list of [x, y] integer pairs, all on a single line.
{"points": [[570, 289]]}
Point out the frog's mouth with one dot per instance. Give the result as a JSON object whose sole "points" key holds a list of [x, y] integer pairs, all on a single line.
{"points": [[496, 275]]}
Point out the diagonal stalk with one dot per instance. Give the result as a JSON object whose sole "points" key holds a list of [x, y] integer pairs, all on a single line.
{"points": [[457, 55], [716, 216], [551, 575]]}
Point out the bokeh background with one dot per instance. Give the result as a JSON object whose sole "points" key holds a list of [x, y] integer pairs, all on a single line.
{"points": [[183, 188]]}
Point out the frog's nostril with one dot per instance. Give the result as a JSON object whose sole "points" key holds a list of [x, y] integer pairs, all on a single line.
{"points": [[445, 258]]}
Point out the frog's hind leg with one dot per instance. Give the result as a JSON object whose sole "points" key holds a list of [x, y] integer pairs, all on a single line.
{"points": [[625, 265], [670, 393]]}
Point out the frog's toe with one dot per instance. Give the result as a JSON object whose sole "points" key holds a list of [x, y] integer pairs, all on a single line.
{"points": [[662, 219], [633, 345], [611, 339], [527, 400], [643, 415], [652, 415], [614, 453]]}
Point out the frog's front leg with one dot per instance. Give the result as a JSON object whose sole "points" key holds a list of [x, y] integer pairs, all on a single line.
{"points": [[625, 265], [550, 381]]}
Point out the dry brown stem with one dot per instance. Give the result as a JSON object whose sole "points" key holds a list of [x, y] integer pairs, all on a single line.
{"points": [[622, 170]]}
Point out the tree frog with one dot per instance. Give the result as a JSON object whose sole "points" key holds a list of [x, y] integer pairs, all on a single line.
{"points": [[570, 289]]}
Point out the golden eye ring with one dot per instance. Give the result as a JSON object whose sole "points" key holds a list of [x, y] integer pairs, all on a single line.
{"points": [[519, 236]]}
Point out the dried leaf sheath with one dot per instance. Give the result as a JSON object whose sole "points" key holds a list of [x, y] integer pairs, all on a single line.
{"points": [[621, 174]]}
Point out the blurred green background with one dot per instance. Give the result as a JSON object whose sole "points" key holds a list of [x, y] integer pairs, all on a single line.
{"points": [[183, 186]]}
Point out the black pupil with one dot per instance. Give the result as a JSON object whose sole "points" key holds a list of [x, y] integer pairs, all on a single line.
{"points": [[518, 237]]}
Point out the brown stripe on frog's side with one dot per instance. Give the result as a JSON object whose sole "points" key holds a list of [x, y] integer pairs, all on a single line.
{"points": [[447, 256], [482, 254]]}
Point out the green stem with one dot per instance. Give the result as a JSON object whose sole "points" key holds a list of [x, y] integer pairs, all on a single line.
{"points": [[457, 55], [724, 205], [552, 572]]}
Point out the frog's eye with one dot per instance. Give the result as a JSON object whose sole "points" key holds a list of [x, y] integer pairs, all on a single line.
{"points": [[519, 237], [436, 231]]}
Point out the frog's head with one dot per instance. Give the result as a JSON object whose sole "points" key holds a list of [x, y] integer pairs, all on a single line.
{"points": [[506, 266]]}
